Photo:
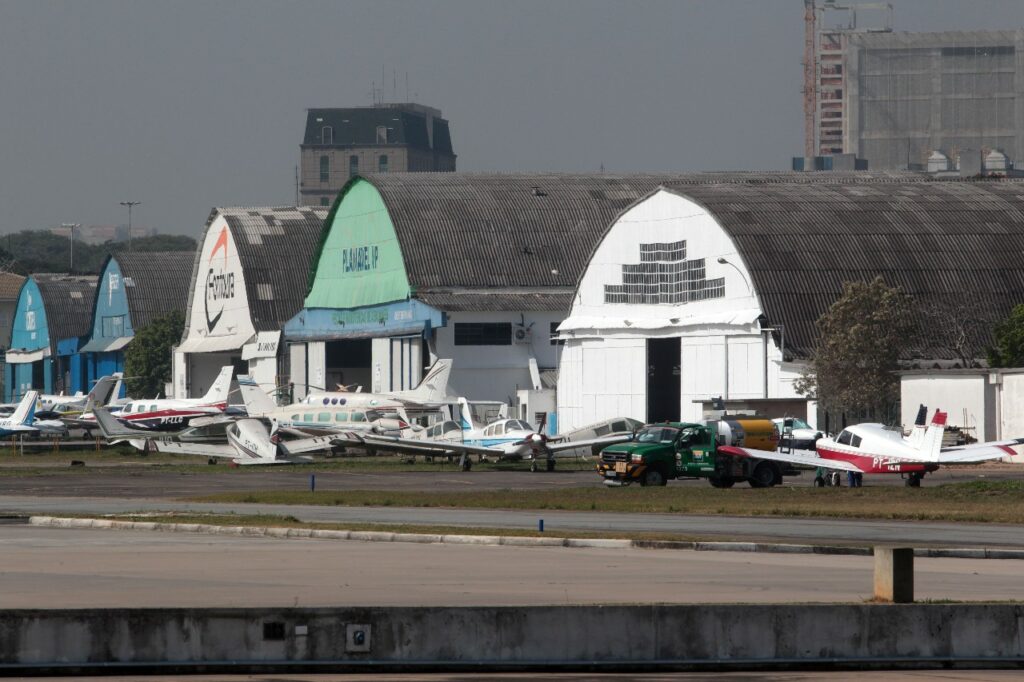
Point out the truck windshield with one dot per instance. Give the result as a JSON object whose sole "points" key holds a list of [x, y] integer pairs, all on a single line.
{"points": [[657, 434]]}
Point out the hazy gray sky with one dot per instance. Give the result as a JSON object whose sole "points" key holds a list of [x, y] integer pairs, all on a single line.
{"points": [[189, 105]]}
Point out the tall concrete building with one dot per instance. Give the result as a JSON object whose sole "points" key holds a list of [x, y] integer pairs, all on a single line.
{"points": [[340, 143], [895, 98]]}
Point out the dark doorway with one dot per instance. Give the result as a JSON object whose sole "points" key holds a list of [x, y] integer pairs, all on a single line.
{"points": [[347, 363], [663, 379], [38, 376]]}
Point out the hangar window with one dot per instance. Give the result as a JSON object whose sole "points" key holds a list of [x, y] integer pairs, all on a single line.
{"points": [[664, 276], [325, 168], [327, 135], [483, 333], [113, 326], [555, 341]]}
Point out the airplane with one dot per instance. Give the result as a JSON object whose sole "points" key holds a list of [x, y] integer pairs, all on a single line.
{"points": [[169, 414], [504, 439], [211, 428], [877, 449], [430, 394], [20, 421], [311, 418], [250, 441]]}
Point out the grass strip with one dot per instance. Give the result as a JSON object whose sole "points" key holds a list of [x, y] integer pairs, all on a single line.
{"points": [[977, 501]]}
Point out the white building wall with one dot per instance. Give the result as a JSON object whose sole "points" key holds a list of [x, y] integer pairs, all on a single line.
{"points": [[497, 372], [603, 372], [1011, 406], [297, 363], [962, 396]]}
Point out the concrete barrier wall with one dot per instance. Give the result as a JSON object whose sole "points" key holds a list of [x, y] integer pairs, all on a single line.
{"points": [[576, 636]]}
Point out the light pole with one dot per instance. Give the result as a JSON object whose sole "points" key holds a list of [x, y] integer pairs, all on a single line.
{"points": [[129, 204], [71, 235]]}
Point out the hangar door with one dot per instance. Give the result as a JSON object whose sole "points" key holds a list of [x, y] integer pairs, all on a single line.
{"points": [[663, 379]]}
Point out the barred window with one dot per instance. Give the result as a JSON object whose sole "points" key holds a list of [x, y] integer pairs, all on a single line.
{"points": [[483, 333]]}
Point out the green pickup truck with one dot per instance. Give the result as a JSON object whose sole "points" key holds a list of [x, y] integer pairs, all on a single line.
{"points": [[660, 452]]}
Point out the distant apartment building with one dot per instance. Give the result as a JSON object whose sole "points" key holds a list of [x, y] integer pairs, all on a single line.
{"points": [[894, 98], [385, 138], [101, 234]]}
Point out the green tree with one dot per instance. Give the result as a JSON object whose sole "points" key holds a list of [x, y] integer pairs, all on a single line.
{"points": [[147, 359], [1008, 340], [857, 351]]}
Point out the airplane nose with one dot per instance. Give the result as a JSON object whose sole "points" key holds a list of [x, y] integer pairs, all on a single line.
{"points": [[537, 438]]}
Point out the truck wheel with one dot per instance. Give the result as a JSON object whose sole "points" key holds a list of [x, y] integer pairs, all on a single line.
{"points": [[763, 476], [653, 477], [722, 482], [819, 482]]}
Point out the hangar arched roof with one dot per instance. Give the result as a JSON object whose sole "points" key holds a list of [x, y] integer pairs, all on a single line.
{"points": [[802, 235], [492, 241], [66, 301], [156, 282], [275, 246]]}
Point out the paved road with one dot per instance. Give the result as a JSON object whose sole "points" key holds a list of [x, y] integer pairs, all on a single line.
{"points": [[917, 533], [135, 480], [50, 568]]}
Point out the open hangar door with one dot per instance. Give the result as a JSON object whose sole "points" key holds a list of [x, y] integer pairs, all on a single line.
{"points": [[346, 363], [664, 387], [203, 369]]}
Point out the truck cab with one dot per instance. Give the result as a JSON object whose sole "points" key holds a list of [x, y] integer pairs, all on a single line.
{"points": [[668, 450]]}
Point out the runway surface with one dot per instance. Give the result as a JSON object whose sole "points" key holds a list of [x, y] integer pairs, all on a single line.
{"points": [[831, 531], [60, 568], [845, 676]]}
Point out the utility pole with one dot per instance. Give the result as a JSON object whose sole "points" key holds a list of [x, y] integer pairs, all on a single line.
{"points": [[129, 204], [71, 234]]}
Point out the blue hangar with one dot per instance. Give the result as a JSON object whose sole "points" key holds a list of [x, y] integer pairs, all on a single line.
{"points": [[134, 288], [52, 320]]}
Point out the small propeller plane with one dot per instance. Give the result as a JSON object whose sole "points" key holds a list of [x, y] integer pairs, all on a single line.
{"points": [[877, 449], [170, 414], [251, 441], [504, 439], [21, 420], [430, 394]]}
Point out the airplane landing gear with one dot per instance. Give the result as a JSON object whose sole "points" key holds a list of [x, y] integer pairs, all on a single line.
{"points": [[465, 463], [914, 480], [551, 465]]}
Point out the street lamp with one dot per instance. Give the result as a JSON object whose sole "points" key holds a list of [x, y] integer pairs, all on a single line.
{"points": [[71, 234], [129, 204]]}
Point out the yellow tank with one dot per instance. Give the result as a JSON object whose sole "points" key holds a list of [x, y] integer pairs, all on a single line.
{"points": [[748, 432]]}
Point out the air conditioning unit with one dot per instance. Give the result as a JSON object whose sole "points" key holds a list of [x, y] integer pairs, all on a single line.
{"points": [[522, 335]]}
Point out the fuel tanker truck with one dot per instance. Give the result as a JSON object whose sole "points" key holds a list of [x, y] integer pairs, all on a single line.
{"points": [[667, 450]]}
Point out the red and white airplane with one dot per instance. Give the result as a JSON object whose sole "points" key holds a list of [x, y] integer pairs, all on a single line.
{"points": [[175, 414], [877, 449]]}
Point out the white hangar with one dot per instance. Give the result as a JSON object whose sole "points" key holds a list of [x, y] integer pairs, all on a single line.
{"points": [[248, 278], [711, 286]]}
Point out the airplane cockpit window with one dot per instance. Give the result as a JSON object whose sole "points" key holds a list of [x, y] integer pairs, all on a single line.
{"points": [[448, 427], [844, 438], [127, 408], [499, 429], [517, 425], [358, 417], [855, 441]]}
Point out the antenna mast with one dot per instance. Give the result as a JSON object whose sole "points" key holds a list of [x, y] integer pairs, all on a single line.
{"points": [[810, 71]]}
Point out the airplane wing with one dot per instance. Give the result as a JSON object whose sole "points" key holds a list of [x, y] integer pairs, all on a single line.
{"points": [[805, 458], [591, 442], [300, 445], [417, 447], [201, 449], [979, 452]]}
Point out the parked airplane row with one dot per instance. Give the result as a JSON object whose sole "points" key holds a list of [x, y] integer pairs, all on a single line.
{"points": [[324, 422]]}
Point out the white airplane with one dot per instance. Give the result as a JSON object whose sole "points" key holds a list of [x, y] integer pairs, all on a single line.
{"points": [[504, 439], [317, 419], [877, 449], [251, 442], [20, 421], [169, 414], [430, 394]]}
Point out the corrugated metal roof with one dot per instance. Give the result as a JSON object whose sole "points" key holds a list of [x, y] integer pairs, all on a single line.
{"points": [[502, 299], [67, 300], [155, 282], [939, 240], [528, 231], [275, 246], [10, 286]]}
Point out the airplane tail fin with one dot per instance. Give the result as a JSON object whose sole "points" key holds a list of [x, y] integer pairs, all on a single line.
{"points": [[256, 401], [25, 413], [916, 437], [218, 393], [115, 393], [465, 415], [100, 393], [111, 427], [252, 442], [433, 388], [931, 443]]}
